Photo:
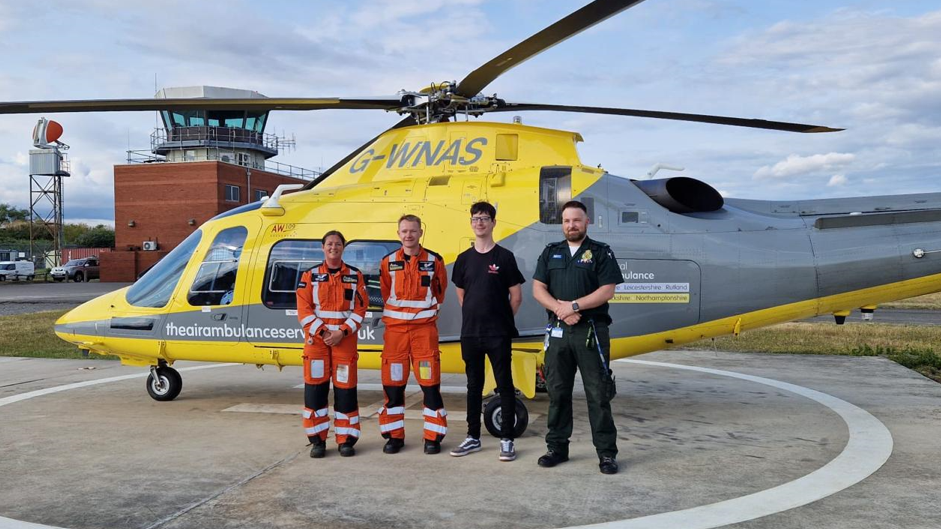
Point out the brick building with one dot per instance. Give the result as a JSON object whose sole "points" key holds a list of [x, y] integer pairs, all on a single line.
{"points": [[202, 163]]}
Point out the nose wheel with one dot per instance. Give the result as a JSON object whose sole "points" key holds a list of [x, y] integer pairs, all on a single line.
{"points": [[164, 383], [493, 417]]}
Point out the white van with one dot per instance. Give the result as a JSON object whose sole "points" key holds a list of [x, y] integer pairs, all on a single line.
{"points": [[16, 270]]}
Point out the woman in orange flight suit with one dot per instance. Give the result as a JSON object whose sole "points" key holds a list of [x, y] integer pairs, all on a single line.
{"points": [[331, 305]]}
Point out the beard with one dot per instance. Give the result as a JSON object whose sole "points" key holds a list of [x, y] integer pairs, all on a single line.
{"points": [[575, 235]]}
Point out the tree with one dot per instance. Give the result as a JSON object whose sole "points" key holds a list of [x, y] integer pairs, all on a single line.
{"points": [[100, 236], [10, 214]]}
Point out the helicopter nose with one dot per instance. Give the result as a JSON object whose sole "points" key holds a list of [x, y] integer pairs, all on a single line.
{"points": [[85, 320]]}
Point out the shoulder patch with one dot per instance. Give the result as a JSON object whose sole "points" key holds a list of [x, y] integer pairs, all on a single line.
{"points": [[302, 284]]}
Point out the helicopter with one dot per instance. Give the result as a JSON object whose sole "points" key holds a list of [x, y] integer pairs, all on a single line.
{"points": [[696, 265]]}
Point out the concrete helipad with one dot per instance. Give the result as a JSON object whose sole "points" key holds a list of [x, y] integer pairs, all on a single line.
{"points": [[755, 440]]}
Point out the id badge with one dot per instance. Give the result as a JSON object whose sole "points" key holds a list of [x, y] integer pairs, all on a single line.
{"points": [[556, 332]]}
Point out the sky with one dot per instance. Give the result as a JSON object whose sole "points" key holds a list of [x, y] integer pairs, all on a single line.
{"points": [[873, 68]]}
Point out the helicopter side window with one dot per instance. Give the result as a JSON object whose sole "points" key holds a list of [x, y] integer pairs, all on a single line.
{"points": [[555, 189], [156, 286], [215, 280], [289, 259], [366, 255]]}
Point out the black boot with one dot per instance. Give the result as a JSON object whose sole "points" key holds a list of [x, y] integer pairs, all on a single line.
{"points": [[393, 446], [318, 448], [432, 447], [347, 450]]}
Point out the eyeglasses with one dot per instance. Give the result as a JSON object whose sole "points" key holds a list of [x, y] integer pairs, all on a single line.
{"points": [[478, 220]]}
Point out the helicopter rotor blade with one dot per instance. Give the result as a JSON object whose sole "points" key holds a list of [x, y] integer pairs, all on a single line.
{"points": [[260, 103], [407, 122], [678, 116], [573, 24]]}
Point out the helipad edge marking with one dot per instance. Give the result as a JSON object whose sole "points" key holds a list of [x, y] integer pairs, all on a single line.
{"points": [[867, 449]]}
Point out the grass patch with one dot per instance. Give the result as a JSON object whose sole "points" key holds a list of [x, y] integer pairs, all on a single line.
{"points": [[926, 302], [31, 335], [909, 345]]}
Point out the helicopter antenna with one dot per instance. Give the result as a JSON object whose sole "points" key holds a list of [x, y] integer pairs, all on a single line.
{"points": [[657, 166]]}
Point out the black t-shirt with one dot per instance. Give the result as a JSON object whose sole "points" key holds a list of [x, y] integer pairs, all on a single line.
{"points": [[486, 279]]}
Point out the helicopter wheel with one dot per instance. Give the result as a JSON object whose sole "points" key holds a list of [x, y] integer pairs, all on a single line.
{"points": [[164, 383], [493, 415]]}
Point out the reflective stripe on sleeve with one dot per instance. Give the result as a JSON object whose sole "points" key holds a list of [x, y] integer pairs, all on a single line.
{"points": [[356, 317], [351, 324], [313, 328], [307, 320]]}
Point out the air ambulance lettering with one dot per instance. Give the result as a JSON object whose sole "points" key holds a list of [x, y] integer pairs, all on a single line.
{"points": [[350, 279], [395, 266], [423, 152]]}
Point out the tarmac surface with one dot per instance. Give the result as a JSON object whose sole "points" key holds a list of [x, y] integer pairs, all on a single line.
{"points": [[698, 448], [21, 298]]}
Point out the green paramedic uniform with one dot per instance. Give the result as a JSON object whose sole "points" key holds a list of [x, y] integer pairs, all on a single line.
{"points": [[570, 348]]}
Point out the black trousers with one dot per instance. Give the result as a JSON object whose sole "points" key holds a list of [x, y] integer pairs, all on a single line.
{"points": [[499, 349]]}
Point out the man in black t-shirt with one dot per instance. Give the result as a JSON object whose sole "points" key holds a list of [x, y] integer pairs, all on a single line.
{"points": [[489, 289]]}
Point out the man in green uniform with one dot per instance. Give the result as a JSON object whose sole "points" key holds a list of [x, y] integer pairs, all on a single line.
{"points": [[574, 280]]}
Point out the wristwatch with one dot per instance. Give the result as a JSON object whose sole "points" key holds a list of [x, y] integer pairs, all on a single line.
{"points": [[575, 306]]}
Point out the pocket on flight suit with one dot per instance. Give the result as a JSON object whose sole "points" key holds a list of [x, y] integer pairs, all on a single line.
{"points": [[427, 365]]}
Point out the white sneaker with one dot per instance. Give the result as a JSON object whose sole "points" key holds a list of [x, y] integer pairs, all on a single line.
{"points": [[468, 446], [507, 451]]}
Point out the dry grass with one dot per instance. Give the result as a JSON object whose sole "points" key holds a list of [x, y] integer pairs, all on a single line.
{"points": [[910, 345], [32, 335], [926, 302]]}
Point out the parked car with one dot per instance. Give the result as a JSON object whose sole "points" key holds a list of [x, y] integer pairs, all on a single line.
{"points": [[77, 270], [16, 270]]}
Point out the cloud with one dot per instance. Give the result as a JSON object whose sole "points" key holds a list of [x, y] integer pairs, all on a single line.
{"points": [[796, 165], [837, 180]]}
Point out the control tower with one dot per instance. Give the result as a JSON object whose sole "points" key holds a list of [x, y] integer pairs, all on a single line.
{"points": [[232, 136], [201, 162]]}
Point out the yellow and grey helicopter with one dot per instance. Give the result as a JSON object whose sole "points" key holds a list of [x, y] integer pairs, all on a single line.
{"points": [[695, 265]]}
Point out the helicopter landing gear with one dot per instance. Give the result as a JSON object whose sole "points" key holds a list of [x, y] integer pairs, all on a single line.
{"points": [[493, 417], [164, 383]]}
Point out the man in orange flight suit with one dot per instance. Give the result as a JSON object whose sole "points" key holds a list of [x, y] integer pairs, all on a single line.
{"points": [[413, 281], [331, 305]]}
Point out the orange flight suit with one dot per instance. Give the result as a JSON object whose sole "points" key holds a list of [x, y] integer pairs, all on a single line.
{"points": [[412, 290], [331, 301]]}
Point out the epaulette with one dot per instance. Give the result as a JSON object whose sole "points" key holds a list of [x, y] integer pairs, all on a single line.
{"points": [[353, 268], [390, 253], [434, 254]]}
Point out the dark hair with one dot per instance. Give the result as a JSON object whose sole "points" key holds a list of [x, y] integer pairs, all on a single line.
{"points": [[484, 207], [333, 232], [575, 204], [410, 218]]}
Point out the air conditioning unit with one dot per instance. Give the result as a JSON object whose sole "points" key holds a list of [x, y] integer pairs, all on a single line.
{"points": [[150, 246], [243, 158], [227, 158]]}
